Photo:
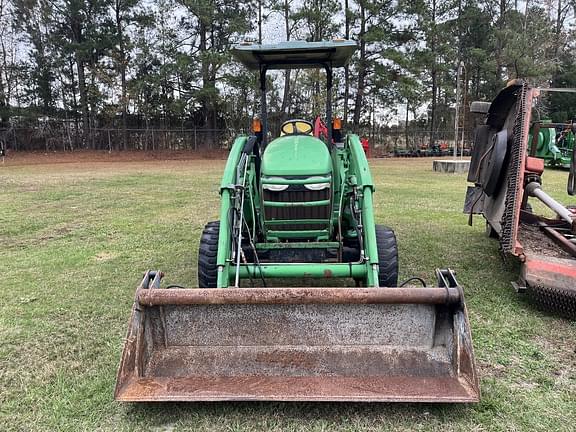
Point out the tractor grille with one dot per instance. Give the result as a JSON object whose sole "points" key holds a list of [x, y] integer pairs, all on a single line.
{"points": [[297, 194]]}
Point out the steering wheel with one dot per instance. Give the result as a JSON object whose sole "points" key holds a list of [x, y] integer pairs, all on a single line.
{"points": [[296, 127]]}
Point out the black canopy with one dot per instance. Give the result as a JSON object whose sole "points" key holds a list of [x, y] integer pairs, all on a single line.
{"points": [[295, 55]]}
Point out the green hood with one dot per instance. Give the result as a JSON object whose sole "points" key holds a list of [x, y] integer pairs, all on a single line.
{"points": [[296, 155]]}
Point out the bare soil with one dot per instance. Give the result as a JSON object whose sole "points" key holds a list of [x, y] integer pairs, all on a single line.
{"points": [[535, 241]]}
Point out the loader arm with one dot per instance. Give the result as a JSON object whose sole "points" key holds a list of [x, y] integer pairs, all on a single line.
{"points": [[361, 171]]}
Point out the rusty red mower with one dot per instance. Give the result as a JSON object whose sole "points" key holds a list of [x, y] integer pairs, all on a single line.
{"points": [[507, 176]]}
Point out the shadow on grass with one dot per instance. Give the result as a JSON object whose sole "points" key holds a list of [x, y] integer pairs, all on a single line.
{"points": [[299, 414]]}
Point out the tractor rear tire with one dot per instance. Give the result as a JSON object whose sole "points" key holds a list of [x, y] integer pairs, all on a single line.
{"points": [[387, 256], [207, 256]]}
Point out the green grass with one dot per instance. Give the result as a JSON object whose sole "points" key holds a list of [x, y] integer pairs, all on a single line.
{"points": [[76, 238]]}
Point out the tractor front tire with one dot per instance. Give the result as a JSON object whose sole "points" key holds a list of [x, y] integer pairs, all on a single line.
{"points": [[387, 256], [207, 256]]}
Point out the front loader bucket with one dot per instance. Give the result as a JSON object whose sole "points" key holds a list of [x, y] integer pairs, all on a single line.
{"points": [[298, 344]]}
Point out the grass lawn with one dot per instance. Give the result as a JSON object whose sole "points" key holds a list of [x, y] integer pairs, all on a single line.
{"points": [[75, 239]]}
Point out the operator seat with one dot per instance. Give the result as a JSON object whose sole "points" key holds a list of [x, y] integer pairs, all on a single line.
{"points": [[296, 127]]}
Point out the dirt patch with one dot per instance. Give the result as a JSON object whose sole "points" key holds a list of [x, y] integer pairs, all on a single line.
{"points": [[58, 232], [490, 369], [39, 158], [561, 348], [41, 237], [104, 256], [535, 241]]}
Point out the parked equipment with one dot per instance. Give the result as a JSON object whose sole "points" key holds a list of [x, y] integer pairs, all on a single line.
{"points": [[296, 207], [507, 175], [554, 142]]}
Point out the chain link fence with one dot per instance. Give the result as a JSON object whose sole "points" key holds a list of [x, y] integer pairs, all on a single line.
{"points": [[62, 138], [65, 137]]}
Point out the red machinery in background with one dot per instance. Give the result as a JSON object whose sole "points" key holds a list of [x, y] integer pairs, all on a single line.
{"points": [[320, 131]]}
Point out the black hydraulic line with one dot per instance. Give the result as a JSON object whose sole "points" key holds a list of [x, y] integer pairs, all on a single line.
{"points": [[422, 281], [253, 246]]}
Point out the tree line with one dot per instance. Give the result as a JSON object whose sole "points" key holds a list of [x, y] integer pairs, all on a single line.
{"points": [[129, 64]]}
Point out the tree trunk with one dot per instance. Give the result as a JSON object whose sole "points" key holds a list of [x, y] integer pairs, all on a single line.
{"points": [[361, 70], [434, 76], [76, 28], [286, 94], [433, 107], [406, 123], [4, 100], [346, 68], [205, 69], [260, 22], [92, 105], [74, 99], [83, 96], [499, 41], [122, 66]]}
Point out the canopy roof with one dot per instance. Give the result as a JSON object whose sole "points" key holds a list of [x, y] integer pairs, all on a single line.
{"points": [[295, 55]]}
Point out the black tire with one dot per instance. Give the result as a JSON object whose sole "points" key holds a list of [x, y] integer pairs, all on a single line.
{"points": [[207, 256], [387, 256]]}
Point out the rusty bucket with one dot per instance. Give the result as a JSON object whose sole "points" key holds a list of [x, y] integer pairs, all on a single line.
{"points": [[298, 344]]}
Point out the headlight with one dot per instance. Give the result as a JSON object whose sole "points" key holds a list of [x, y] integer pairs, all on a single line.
{"points": [[275, 187], [317, 186]]}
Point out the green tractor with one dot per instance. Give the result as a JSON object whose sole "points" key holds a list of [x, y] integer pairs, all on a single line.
{"points": [[555, 149], [298, 207], [296, 199]]}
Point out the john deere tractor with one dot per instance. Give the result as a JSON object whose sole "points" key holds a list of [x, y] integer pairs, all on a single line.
{"points": [[553, 142], [296, 198], [298, 206]]}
